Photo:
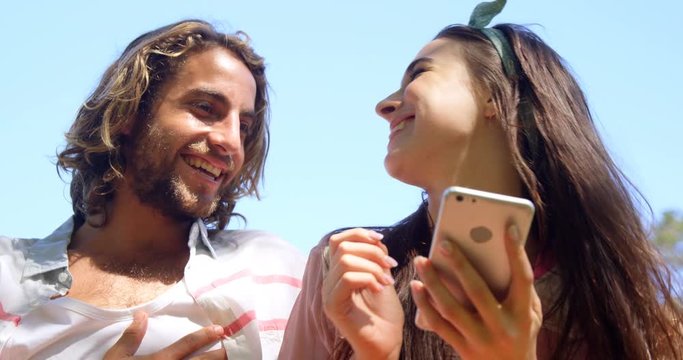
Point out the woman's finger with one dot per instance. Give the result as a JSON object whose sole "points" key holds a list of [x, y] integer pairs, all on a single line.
{"points": [[372, 252], [429, 319], [352, 263], [337, 291], [521, 274], [356, 235], [473, 285], [442, 299]]}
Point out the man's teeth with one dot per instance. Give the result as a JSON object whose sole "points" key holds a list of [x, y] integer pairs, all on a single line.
{"points": [[201, 164]]}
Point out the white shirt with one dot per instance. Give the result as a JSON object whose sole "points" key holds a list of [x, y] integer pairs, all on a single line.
{"points": [[245, 281], [66, 328]]}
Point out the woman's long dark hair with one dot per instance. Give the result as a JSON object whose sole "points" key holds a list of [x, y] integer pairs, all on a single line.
{"points": [[615, 295]]}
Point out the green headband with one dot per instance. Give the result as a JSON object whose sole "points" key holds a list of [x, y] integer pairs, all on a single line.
{"points": [[480, 18]]}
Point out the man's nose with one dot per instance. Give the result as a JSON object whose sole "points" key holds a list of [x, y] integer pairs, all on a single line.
{"points": [[225, 137]]}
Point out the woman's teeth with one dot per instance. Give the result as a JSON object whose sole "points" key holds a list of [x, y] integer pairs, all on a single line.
{"points": [[398, 127]]}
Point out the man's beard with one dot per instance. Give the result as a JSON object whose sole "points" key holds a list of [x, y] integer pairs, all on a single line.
{"points": [[155, 183]]}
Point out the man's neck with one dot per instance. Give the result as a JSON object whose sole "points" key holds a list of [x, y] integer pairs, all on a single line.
{"points": [[131, 259], [133, 229]]}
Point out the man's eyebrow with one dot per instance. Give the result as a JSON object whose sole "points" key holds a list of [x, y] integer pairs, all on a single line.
{"points": [[202, 91], [251, 115], [219, 97]]}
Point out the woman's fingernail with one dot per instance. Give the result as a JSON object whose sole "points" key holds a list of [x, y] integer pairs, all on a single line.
{"points": [[375, 235], [419, 262], [391, 262], [513, 233], [389, 279]]}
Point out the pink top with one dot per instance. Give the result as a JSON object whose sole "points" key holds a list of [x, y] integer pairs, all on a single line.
{"points": [[310, 335]]}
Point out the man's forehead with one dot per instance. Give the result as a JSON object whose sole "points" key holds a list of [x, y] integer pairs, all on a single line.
{"points": [[216, 73]]}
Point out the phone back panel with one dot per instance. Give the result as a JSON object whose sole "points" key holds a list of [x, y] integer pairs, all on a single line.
{"points": [[477, 221]]}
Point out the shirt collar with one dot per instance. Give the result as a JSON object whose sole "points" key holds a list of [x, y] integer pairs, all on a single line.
{"points": [[49, 253], [198, 232]]}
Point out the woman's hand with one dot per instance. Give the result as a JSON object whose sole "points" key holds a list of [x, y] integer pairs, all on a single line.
{"points": [[359, 297], [505, 330]]}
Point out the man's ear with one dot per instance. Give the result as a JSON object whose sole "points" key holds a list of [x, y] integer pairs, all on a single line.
{"points": [[128, 127]]}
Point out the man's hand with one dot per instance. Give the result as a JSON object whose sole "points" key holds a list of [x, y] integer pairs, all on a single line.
{"points": [[130, 341]]}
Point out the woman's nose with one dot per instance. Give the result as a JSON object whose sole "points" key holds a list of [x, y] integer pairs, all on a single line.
{"points": [[388, 106]]}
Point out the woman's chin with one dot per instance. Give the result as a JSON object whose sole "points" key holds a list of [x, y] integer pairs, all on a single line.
{"points": [[397, 167]]}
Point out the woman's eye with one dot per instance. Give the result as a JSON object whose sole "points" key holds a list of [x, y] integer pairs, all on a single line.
{"points": [[416, 72]]}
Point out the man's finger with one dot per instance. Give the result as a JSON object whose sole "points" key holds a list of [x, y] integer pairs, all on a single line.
{"points": [[192, 342], [130, 340], [219, 354]]}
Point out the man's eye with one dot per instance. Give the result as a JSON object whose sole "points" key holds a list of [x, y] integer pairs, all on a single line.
{"points": [[203, 107], [245, 128]]}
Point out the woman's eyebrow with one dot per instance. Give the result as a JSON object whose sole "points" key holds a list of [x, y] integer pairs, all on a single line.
{"points": [[415, 62]]}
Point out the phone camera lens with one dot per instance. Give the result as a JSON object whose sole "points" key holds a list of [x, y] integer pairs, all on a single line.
{"points": [[459, 198]]}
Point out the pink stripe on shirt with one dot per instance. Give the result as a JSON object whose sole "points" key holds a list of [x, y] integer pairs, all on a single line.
{"points": [[9, 317], [259, 279], [241, 322], [274, 324], [249, 316]]}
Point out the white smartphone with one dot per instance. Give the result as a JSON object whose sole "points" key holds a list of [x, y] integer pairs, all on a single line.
{"points": [[476, 222]]}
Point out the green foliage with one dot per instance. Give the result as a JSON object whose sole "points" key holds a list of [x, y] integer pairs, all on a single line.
{"points": [[668, 232]]}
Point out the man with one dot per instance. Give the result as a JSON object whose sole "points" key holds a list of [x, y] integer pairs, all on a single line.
{"points": [[173, 135]]}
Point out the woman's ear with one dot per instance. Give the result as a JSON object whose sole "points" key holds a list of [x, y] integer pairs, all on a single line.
{"points": [[489, 109]]}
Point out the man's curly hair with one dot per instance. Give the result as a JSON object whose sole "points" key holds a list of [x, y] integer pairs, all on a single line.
{"points": [[127, 93]]}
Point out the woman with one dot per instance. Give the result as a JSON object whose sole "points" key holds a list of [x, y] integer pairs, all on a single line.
{"points": [[493, 109]]}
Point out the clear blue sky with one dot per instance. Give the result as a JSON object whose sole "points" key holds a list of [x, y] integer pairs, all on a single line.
{"points": [[329, 63]]}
